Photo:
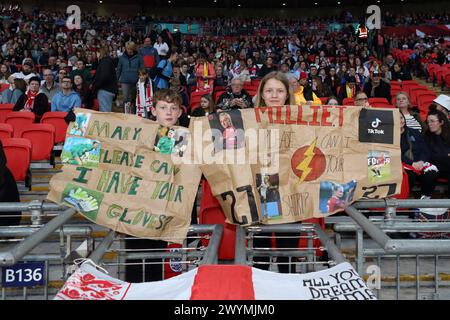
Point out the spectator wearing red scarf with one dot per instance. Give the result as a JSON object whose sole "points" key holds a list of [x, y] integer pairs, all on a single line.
{"points": [[32, 100]]}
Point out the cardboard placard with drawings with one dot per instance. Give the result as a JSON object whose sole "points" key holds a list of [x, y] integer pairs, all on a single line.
{"points": [[121, 171], [276, 165]]}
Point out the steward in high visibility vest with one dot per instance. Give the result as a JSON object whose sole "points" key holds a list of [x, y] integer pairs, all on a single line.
{"points": [[363, 32]]}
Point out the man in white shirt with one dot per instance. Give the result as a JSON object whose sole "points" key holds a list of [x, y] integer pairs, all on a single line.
{"points": [[26, 72]]}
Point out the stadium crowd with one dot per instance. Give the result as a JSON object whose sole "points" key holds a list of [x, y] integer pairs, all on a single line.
{"points": [[46, 67]]}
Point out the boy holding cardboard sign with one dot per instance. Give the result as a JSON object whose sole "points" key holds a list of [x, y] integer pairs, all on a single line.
{"points": [[167, 110]]}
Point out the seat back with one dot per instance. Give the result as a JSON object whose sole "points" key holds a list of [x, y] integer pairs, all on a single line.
{"points": [[416, 91], [19, 121], [6, 130], [4, 86], [96, 106], [381, 105], [5, 108], [211, 213], [57, 120], [378, 100], [217, 95], [348, 102], [42, 137], [323, 100], [18, 156], [424, 100]]}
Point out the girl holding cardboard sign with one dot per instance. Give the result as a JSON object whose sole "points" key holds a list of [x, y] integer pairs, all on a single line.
{"points": [[274, 91]]}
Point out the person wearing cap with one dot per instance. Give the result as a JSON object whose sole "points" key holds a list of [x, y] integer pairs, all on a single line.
{"points": [[26, 73], [304, 94], [348, 90], [442, 103], [375, 88]]}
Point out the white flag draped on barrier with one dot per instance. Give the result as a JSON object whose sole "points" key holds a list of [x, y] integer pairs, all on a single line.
{"points": [[221, 282]]}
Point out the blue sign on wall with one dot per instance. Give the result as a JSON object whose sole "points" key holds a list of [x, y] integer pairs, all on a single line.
{"points": [[24, 275]]}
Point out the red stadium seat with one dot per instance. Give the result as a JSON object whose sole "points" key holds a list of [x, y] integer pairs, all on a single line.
{"points": [[57, 120], [96, 106], [20, 120], [438, 75], [414, 92], [195, 99], [256, 82], [447, 80], [407, 86], [6, 130], [378, 100], [5, 108], [431, 68], [395, 84], [4, 86], [18, 156], [303, 242], [381, 105], [217, 95], [220, 88], [404, 191], [211, 213], [425, 99], [252, 92], [248, 86], [42, 137], [348, 102]]}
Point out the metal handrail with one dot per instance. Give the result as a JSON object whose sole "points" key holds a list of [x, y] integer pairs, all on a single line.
{"points": [[12, 256], [29, 206], [210, 256], [399, 247], [327, 243]]}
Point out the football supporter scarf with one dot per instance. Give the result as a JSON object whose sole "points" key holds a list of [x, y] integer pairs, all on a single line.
{"points": [[206, 74], [221, 282], [144, 98], [350, 91], [29, 104]]}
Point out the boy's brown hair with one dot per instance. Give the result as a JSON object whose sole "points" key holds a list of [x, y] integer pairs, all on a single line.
{"points": [[167, 95], [143, 71]]}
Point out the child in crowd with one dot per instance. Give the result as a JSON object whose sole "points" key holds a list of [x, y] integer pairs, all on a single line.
{"points": [[167, 110], [144, 94]]}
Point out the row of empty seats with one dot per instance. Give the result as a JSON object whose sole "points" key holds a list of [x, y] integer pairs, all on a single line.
{"points": [[420, 96], [25, 141]]}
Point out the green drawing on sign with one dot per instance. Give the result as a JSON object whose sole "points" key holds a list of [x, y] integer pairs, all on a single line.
{"points": [[84, 200]]}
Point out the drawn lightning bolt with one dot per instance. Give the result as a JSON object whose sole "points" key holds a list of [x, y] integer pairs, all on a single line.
{"points": [[304, 165]]}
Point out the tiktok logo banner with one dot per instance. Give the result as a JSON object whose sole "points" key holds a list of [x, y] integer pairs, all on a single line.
{"points": [[376, 126]]}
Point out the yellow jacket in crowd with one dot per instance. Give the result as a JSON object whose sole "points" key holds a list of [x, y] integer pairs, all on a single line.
{"points": [[300, 99]]}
